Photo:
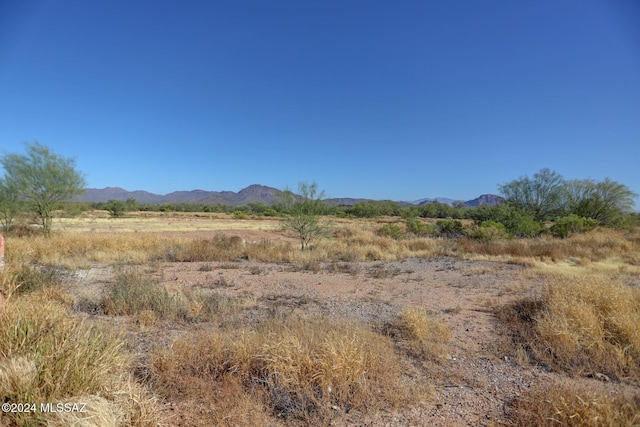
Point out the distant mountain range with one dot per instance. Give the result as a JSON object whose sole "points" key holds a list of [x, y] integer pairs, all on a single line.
{"points": [[253, 193]]}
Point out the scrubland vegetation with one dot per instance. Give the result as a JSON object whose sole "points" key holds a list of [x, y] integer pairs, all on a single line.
{"points": [[582, 321]]}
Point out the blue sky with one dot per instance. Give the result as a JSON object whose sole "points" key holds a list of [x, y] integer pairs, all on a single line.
{"points": [[380, 99]]}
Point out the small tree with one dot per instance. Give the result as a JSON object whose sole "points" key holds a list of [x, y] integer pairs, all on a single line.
{"points": [[304, 211], [9, 204], [43, 178], [540, 196]]}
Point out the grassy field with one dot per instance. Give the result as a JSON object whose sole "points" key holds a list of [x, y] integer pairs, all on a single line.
{"points": [[269, 368], [140, 222]]}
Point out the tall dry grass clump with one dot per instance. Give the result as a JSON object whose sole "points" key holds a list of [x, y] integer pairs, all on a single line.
{"points": [[585, 324], [46, 355], [136, 293], [574, 406], [591, 324], [425, 336], [305, 370]]}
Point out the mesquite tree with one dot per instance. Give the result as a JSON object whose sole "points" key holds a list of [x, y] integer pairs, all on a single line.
{"points": [[305, 210], [43, 178]]}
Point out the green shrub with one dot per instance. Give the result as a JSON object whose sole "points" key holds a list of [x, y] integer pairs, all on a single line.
{"points": [[570, 224], [519, 224], [116, 208], [391, 230], [490, 230], [240, 215], [270, 212], [419, 228], [450, 228]]}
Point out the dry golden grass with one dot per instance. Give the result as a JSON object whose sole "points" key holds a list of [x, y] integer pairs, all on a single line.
{"points": [[304, 370], [569, 405], [47, 356], [78, 242], [80, 250], [619, 246], [591, 323], [582, 324], [426, 337], [161, 222]]}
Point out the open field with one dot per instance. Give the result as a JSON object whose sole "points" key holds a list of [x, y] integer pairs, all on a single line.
{"points": [[212, 320]]}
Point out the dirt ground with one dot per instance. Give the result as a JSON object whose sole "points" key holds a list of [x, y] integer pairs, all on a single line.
{"points": [[472, 386]]}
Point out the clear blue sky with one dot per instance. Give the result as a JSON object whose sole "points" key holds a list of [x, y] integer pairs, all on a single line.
{"points": [[380, 99]]}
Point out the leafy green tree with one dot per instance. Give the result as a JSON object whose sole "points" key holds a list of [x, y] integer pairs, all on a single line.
{"points": [[43, 178], [541, 196], [304, 213], [10, 205], [604, 201]]}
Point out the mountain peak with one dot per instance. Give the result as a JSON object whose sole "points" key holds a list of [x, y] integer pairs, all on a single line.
{"points": [[254, 193]]}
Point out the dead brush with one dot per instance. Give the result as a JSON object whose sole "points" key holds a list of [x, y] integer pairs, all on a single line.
{"points": [[300, 369]]}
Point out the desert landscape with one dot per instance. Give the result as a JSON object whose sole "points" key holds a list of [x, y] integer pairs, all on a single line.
{"points": [[319, 213], [205, 319]]}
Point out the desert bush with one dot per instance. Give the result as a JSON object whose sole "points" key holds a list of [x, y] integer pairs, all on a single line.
{"points": [[519, 224], [571, 224], [419, 228], [49, 356], [116, 208], [391, 230], [135, 293], [299, 368], [450, 228], [489, 230]]}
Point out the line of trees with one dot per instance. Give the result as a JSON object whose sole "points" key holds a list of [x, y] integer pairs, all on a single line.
{"points": [[548, 196], [41, 181]]}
